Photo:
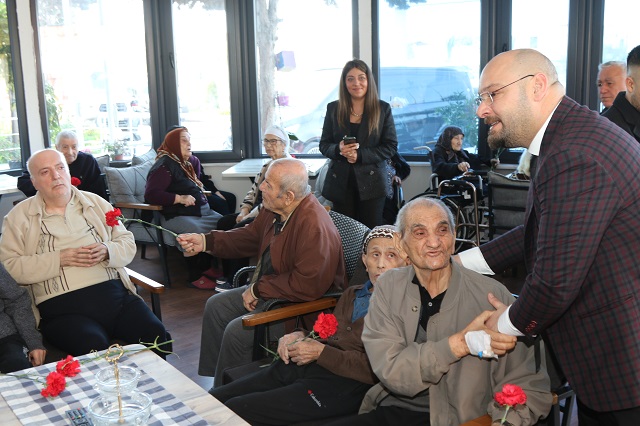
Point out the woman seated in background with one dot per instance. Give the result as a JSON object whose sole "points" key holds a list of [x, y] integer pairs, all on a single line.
{"points": [[173, 184], [318, 379], [450, 160], [276, 145]]}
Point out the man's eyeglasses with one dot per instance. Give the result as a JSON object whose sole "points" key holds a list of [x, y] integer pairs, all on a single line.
{"points": [[488, 96], [271, 141]]}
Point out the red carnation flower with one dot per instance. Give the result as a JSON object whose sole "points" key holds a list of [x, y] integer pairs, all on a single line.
{"points": [[326, 325], [75, 181], [115, 215], [510, 396], [68, 367], [56, 383], [112, 217]]}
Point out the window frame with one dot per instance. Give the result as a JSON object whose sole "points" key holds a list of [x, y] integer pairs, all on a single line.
{"points": [[18, 86]]}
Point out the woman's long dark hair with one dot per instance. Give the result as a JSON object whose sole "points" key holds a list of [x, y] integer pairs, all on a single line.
{"points": [[371, 100]]}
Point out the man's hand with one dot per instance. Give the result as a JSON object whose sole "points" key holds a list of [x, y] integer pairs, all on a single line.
{"points": [[305, 351], [500, 343], [36, 357], [248, 301], [84, 257], [285, 341], [191, 243], [492, 322]]}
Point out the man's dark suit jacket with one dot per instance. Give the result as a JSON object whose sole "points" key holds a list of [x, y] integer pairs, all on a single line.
{"points": [[581, 246]]}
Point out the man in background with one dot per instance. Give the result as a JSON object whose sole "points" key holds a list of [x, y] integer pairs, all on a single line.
{"points": [[81, 166], [625, 111], [611, 81]]}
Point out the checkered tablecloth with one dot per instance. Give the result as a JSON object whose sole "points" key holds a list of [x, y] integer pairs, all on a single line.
{"points": [[31, 408]]}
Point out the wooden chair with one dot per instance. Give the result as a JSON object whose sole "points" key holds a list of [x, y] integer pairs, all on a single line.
{"points": [[126, 192]]}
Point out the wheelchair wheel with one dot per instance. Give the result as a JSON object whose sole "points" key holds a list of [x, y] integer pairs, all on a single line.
{"points": [[459, 216]]}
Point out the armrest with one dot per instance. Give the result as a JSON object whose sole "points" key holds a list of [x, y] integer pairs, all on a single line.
{"points": [[290, 311], [145, 282], [480, 421], [141, 206]]}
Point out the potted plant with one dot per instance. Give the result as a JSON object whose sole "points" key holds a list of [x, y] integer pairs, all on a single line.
{"points": [[117, 148], [10, 153]]}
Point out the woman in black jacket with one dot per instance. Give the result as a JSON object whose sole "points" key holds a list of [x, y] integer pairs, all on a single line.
{"points": [[359, 136]]}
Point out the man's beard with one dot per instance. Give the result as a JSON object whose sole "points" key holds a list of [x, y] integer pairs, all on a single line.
{"points": [[501, 141]]}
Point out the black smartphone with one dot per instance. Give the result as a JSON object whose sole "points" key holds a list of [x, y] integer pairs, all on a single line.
{"points": [[349, 140]]}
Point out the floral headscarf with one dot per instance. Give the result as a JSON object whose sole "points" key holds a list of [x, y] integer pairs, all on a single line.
{"points": [[171, 148]]}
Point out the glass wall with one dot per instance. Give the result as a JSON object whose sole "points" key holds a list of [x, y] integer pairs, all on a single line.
{"points": [[620, 29], [551, 39], [301, 49], [202, 68], [429, 69], [10, 152], [95, 73]]}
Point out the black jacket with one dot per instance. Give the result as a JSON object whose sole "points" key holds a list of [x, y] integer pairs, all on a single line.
{"points": [[374, 151], [624, 115]]}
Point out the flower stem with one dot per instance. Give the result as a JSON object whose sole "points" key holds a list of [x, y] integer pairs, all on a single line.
{"points": [[143, 222], [504, 418]]}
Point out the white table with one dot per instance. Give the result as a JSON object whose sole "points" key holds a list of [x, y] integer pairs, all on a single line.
{"points": [[8, 184], [251, 166], [192, 395]]}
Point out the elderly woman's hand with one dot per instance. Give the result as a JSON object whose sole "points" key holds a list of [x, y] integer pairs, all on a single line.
{"points": [[464, 166], [187, 200]]}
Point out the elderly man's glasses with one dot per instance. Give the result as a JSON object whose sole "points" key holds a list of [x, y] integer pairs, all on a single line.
{"points": [[488, 96], [270, 142]]}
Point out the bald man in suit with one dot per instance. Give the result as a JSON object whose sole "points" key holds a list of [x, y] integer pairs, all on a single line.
{"points": [[580, 236]]}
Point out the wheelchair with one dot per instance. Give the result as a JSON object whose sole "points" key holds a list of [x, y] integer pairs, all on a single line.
{"points": [[466, 197]]}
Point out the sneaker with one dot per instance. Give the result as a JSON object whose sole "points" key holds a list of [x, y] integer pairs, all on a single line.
{"points": [[223, 285], [204, 283]]}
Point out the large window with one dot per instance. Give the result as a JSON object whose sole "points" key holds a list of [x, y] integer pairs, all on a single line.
{"points": [[620, 29], [95, 73], [429, 68], [202, 68], [10, 152], [551, 39], [302, 47]]}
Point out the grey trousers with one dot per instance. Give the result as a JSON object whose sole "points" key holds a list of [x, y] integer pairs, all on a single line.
{"points": [[225, 343]]}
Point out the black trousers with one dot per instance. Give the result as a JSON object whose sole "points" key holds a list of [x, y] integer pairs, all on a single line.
{"points": [[90, 318], [224, 206], [368, 212], [589, 417], [12, 357], [386, 415], [284, 394]]}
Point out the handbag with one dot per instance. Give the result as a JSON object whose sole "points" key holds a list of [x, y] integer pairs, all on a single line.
{"points": [[398, 195]]}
